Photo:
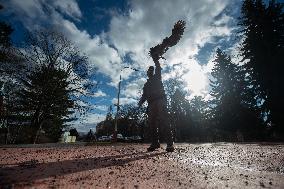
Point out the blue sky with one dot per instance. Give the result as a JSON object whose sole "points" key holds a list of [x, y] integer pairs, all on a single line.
{"points": [[119, 33]]}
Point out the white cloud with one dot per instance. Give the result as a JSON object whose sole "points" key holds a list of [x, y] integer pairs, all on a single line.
{"points": [[68, 7], [124, 100], [101, 107], [88, 122], [149, 22], [133, 88], [101, 55], [99, 93], [42, 13], [34, 13]]}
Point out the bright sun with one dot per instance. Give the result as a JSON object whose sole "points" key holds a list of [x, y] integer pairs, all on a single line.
{"points": [[196, 80]]}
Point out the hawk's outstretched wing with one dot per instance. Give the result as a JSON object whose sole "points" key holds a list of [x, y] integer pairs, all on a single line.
{"points": [[170, 41]]}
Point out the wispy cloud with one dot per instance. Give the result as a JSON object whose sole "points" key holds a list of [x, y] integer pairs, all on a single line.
{"points": [[99, 93]]}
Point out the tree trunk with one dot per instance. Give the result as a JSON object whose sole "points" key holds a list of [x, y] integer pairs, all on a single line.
{"points": [[38, 131]]}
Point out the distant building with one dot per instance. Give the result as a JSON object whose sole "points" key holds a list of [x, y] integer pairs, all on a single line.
{"points": [[66, 138]]}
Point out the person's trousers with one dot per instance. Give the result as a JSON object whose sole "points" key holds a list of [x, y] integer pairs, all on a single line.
{"points": [[159, 122]]}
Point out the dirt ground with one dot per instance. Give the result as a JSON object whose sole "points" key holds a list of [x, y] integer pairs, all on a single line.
{"points": [[209, 165]]}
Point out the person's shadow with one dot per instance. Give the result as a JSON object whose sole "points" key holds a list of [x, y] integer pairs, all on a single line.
{"points": [[32, 170]]}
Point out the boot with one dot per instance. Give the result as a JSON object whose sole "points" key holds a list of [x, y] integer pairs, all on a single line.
{"points": [[153, 147], [170, 148]]}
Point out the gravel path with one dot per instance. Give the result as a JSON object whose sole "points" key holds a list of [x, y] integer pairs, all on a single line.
{"points": [[210, 165]]}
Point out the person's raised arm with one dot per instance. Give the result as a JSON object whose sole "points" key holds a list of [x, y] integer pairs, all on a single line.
{"points": [[158, 68], [143, 98]]}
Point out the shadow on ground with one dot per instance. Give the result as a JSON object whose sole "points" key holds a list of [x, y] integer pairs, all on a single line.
{"points": [[32, 170]]}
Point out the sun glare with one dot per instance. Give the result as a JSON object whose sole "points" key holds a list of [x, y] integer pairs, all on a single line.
{"points": [[196, 81]]}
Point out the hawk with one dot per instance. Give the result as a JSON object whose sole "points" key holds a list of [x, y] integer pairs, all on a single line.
{"points": [[160, 49]]}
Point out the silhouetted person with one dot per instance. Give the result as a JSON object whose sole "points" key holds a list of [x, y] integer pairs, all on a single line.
{"points": [[153, 92]]}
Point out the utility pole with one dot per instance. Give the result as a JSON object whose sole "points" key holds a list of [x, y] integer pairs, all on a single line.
{"points": [[118, 105], [117, 111]]}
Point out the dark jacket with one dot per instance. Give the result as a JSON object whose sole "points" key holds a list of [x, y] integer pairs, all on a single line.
{"points": [[153, 89]]}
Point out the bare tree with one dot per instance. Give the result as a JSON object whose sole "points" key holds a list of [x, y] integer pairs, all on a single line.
{"points": [[58, 70]]}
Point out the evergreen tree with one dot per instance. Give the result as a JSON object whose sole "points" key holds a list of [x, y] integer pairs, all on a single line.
{"points": [[46, 99], [90, 136], [222, 90], [106, 127], [233, 106], [196, 119], [176, 106], [74, 132], [10, 71], [263, 50], [178, 115], [198, 110]]}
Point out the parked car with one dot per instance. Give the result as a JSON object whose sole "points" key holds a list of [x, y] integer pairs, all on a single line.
{"points": [[119, 137], [127, 139], [104, 139], [135, 138]]}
